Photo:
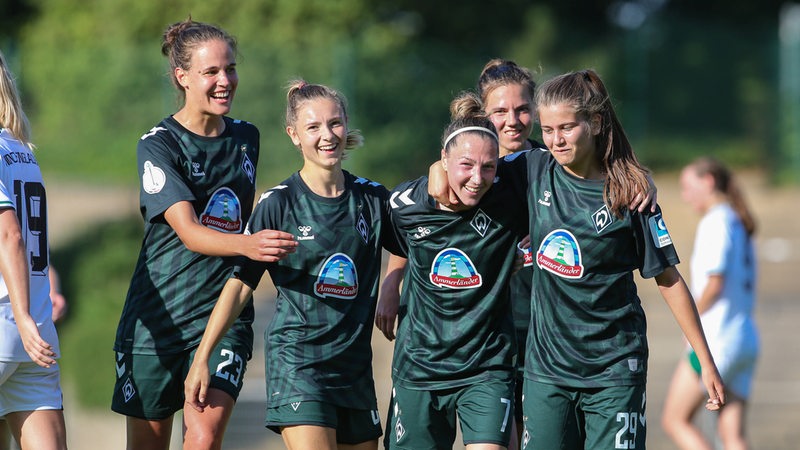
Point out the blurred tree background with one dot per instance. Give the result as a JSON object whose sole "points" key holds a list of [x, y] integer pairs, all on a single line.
{"points": [[688, 78]]}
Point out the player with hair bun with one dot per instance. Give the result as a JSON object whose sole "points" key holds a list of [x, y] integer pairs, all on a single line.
{"points": [[197, 170], [455, 349]]}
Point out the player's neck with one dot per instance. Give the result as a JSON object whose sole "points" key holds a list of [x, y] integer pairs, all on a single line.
{"points": [[200, 124], [323, 182]]}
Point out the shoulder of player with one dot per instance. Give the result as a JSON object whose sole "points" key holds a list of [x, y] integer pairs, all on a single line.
{"points": [[241, 126], [11, 145], [409, 193], [157, 137], [366, 185], [280, 194]]}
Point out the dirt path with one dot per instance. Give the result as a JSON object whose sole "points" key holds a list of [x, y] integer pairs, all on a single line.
{"points": [[774, 411]]}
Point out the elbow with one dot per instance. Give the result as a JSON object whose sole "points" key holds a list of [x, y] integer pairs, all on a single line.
{"points": [[669, 277], [10, 238], [192, 245]]}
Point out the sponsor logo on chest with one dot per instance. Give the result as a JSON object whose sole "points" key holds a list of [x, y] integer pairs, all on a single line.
{"points": [[453, 269], [337, 278], [223, 212]]}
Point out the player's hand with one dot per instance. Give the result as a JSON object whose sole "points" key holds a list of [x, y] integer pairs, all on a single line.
{"points": [[642, 200], [270, 245], [386, 311], [715, 387], [59, 306], [519, 261], [37, 348], [195, 387]]}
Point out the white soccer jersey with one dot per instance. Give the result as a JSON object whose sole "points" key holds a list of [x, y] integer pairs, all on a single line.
{"points": [[722, 247], [22, 189]]}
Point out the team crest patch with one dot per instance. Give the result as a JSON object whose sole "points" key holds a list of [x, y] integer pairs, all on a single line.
{"points": [[363, 228], [560, 254], [247, 166], [223, 212], [338, 278], [480, 222], [602, 218], [658, 229], [128, 391], [453, 269]]}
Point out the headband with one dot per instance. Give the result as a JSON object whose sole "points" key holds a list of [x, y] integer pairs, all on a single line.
{"points": [[461, 130]]}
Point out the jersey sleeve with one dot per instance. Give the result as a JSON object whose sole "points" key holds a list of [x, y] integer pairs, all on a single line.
{"points": [[654, 243], [389, 237], [6, 200], [399, 199], [266, 216], [162, 183]]}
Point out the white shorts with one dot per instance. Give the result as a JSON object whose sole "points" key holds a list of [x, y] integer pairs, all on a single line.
{"points": [[26, 386]]}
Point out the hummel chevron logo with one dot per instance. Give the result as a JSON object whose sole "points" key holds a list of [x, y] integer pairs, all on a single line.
{"points": [[152, 132], [120, 367], [402, 198]]}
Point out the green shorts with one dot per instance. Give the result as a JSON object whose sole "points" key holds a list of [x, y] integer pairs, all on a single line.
{"points": [[353, 426], [557, 417], [151, 386], [694, 361], [425, 419]]}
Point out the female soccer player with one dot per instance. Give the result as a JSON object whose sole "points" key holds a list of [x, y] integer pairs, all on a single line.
{"points": [[197, 170], [455, 349], [30, 388], [723, 269], [586, 364], [320, 389]]}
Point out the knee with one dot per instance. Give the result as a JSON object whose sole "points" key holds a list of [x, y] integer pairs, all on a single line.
{"points": [[671, 424], [200, 438]]}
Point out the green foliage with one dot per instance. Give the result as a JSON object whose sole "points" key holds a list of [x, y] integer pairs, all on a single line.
{"points": [[95, 270], [94, 78]]}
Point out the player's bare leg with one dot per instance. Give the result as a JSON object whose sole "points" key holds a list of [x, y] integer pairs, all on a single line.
{"points": [[301, 437], [40, 430], [205, 430], [148, 434]]}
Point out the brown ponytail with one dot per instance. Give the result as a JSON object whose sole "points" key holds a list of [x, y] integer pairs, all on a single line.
{"points": [[725, 184]]}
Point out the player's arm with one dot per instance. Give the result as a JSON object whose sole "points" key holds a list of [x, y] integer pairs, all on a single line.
{"points": [[675, 292], [14, 267], [389, 297], [232, 300], [439, 188], [266, 245], [711, 293], [56, 297]]}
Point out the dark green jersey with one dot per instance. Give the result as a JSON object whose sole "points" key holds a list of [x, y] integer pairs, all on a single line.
{"points": [[520, 290], [455, 325], [318, 345], [587, 324], [173, 289], [520, 295]]}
